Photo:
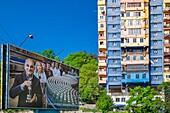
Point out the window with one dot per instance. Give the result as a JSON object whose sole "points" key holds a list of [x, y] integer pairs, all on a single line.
{"points": [[137, 75], [100, 78], [155, 25], [155, 16], [114, 69], [134, 31], [122, 40], [137, 14], [113, 1], [155, 77], [127, 14], [101, 8], [128, 76], [154, 42], [100, 69], [113, 9], [101, 43], [128, 58], [167, 76], [155, 59], [114, 52], [138, 22], [122, 14], [123, 100], [122, 31], [155, 34], [100, 34], [117, 99], [114, 26], [127, 40], [101, 25], [155, 51], [130, 22], [155, 68], [154, 7], [114, 43], [134, 40], [134, 57], [114, 34], [114, 17], [114, 61], [143, 75], [138, 4], [141, 40], [141, 57], [101, 17]]}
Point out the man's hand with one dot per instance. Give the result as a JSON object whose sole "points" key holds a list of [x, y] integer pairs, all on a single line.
{"points": [[33, 99], [26, 83]]}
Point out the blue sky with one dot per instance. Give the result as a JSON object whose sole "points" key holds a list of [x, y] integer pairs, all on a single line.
{"points": [[55, 24]]}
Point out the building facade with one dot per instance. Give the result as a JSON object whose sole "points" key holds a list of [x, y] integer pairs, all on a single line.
{"points": [[134, 45]]}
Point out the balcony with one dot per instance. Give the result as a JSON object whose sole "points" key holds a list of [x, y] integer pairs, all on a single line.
{"points": [[166, 28], [102, 72], [156, 81], [102, 38], [167, 10], [167, 53], [167, 36], [167, 44], [101, 2], [134, 8], [143, 80], [167, 71], [102, 81], [102, 63], [135, 68], [102, 46], [116, 82], [102, 54]]}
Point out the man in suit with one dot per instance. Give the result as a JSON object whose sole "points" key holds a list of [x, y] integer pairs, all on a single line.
{"points": [[27, 87]]}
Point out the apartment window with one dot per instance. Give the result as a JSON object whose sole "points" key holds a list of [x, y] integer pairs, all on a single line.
{"points": [[101, 17], [114, 34], [155, 68], [137, 75], [101, 43], [155, 59], [141, 57], [100, 69], [155, 51], [143, 75], [154, 42], [123, 100], [114, 69], [100, 34], [114, 17], [130, 22], [114, 52], [101, 25], [167, 76], [138, 22], [127, 14], [114, 43], [155, 34], [114, 26], [101, 8], [134, 57], [141, 40], [113, 9], [122, 40], [155, 77], [134, 40], [134, 31], [155, 7], [155, 25], [114, 61], [128, 58], [134, 4], [100, 78], [155, 16], [137, 14], [127, 40], [117, 99], [122, 31], [128, 76], [113, 1]]}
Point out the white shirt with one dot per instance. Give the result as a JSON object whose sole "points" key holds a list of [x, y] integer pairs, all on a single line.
{"points": [[56, 72]]}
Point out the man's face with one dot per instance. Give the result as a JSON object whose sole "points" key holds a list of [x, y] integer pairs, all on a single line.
{"points": [[29, 67], [48, 66]]}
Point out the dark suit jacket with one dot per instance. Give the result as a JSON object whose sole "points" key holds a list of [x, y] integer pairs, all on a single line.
{"points": [[16, 91]]}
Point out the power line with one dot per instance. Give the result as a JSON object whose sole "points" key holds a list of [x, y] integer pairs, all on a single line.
{"points": [[7, 34]]}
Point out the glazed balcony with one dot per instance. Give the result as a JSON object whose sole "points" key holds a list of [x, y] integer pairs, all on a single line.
{"points": [[167, 44], [101, 2]]}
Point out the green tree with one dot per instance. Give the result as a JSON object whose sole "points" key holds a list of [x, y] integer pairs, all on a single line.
{"points": [[144, 100], [78, 59], [105, 103], [165, 89], [89, 88]]}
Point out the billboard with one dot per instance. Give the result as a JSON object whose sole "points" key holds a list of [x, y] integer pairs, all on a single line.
{"points": [[36, 82]]}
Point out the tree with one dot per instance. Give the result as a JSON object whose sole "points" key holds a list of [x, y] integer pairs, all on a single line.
{"points": [[89, 88], [105, 103], [79, 59], [144, 100], [165, 89]]}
